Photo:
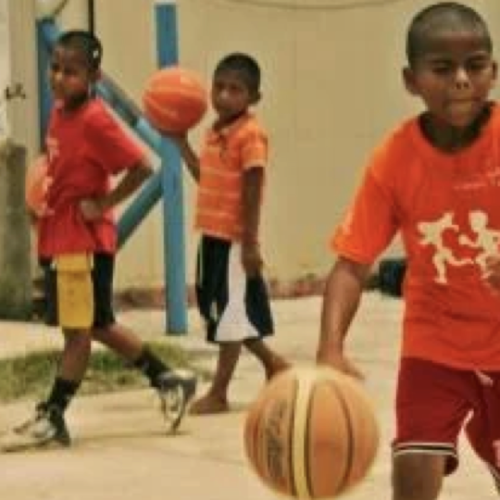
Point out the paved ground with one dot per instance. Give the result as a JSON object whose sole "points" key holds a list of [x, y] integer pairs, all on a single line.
{"points": [[121, 451]]}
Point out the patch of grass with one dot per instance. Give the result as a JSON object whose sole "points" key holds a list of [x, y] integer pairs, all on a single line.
{"points": [[31, 376]]}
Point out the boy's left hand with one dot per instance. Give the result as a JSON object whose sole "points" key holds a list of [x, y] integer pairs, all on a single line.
{"points": [[91, 208], [251, 259], [491, 272]]}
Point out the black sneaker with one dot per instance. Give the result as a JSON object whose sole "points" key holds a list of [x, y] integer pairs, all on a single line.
{"points": [[46, 427], [176, 389]]}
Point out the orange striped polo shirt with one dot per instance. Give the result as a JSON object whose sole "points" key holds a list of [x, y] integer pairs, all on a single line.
{"points": [[225, 156]]}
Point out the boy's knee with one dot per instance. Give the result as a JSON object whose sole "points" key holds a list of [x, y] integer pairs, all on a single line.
{"points": [[417, 476], [76, 338]]}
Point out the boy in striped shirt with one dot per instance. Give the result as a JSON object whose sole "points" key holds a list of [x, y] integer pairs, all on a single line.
{"points": [[230, 172]]}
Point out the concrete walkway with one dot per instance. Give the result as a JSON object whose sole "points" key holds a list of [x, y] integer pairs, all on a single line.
{"points": [[121, 451]]}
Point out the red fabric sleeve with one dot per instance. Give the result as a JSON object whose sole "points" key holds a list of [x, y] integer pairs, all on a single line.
{"points": [[255, 149], [369, 225], [115, 150]]}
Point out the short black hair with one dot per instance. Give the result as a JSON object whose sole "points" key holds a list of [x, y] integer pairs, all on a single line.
{"points": [[244, 64], [450, 16], [84, 42]]}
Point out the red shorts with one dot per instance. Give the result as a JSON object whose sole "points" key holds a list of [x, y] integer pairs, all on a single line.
{"points": [[435, 402]]}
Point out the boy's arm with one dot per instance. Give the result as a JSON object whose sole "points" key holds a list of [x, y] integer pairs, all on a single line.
{"points": [[93, 208], [188, 155], [253, 180], [340, 303], [130, 182]]}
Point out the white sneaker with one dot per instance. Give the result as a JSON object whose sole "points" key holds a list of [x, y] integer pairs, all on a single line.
{"points": [[176, 389], [45, 427]]}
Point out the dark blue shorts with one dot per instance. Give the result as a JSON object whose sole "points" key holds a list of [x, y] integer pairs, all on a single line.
{"points": [[235, 308]]}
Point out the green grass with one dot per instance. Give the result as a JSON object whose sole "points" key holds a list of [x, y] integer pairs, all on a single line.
{"points": [[31, 376]]}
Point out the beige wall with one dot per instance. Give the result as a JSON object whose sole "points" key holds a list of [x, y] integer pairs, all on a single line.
{"points": [[331, 86]]}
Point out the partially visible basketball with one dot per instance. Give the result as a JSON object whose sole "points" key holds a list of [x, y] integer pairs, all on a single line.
{"points": [[174, 99], [37, 183], [311, 433]]}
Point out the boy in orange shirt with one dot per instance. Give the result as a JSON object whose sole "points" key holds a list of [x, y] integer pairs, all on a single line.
{"points": [[231, 293], [436, 179]]}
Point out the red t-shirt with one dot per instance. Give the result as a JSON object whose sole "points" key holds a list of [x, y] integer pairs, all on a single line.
{"points": [[85, 149], [447, 207]]}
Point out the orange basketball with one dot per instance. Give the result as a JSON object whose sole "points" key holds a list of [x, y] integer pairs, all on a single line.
{"points": [[311, 433], [37, 184], [174, 99]]}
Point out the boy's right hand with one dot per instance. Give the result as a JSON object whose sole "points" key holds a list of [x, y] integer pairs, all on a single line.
{"points": [[178, 138], [91, 209], [336, 359]]}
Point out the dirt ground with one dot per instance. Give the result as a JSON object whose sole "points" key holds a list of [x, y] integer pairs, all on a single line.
{"points": [[122, 452]]}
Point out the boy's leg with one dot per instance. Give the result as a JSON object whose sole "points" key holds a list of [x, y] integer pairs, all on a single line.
{"points": [[259, 316], [175, 388], [483, 428], [235, 309], [417, 476], [48, 424], [273, 363], [432, 403], [215, 400]]}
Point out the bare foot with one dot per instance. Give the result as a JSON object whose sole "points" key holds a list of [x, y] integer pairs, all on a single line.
{"points": [[208, 405], [279, 365]]}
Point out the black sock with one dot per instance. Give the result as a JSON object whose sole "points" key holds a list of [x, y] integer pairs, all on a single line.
{"points": [[62, 393], [151, 365]]}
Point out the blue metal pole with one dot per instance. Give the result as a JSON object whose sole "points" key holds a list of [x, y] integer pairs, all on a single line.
{"points": [[46, 30], [136, 212], [173, 202]]}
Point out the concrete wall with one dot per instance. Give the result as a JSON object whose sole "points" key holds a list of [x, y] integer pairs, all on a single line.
{"points": [[4, 66], [331, 87]]}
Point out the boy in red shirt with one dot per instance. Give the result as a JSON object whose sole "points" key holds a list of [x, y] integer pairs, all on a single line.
{"points": [[436, 179], [77, 240], [231, 292]]}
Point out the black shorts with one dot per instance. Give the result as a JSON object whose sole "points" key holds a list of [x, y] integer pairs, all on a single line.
{"points": [[234, 307], [102, 284]]}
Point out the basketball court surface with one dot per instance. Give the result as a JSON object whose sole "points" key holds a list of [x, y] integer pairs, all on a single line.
{"points": [[120, 449]]}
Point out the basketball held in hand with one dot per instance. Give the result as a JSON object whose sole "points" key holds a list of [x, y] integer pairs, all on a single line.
{"points": [[311, 433], [174, 100]]}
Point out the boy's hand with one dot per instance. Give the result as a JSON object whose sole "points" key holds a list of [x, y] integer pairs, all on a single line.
{"points": [[92, 208], [43, 211], [33, 218], [251, 259], [336, 359], [178, 138], [491, 272]]}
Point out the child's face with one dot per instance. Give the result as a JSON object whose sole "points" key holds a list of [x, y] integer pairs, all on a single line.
{"points": [[231, 95], [453, 77], [70, 77]]}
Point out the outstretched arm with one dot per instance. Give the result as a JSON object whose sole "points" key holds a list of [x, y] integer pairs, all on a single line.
{"points": [[340, 303]]}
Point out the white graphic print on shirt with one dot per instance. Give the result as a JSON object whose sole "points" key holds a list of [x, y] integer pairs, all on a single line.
{"points": [[486, 240]]}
